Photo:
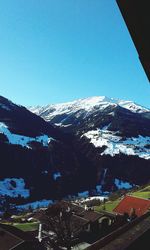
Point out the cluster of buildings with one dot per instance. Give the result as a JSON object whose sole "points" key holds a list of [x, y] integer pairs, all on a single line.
{"points": [[127, 227]]}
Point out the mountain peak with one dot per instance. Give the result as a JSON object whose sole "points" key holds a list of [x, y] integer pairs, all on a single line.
{"points": [[86, 104]]}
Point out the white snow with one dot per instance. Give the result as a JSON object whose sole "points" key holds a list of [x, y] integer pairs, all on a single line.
{"points": [[101, 198], [14, 187], [87, 104], [115, 144], [99, 189], [136, 108], [23, 140], [122, 184], [35, 204], [56, 175], [69, 108], [65, 126], [84, 194]]}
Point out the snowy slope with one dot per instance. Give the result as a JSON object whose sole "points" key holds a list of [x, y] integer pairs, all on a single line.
{"points": [[23, 140], [115, 144], [101, 131], [13, 187], [46, 161], [122, 127], [87, 105]]}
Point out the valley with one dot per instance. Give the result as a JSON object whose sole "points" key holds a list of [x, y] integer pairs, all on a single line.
{"points": [[99, 141]]}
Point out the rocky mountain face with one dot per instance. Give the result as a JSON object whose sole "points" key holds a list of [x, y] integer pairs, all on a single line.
{"points": [[113, 134], [37, 160]]}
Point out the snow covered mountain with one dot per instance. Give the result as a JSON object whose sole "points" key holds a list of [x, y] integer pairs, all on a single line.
{"points": [[87, 105], [37, 160], [91, 144], [119, 126], [109, 131]]}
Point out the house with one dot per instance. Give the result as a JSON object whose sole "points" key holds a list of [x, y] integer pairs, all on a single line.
{"points": [[133, 235], [13, 238], [86, 225], [129, 203], [96, 220]]}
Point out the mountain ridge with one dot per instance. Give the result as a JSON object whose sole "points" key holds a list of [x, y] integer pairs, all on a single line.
{"points": [[108, 131], [88, 104], [37, 158], [88, 148]]}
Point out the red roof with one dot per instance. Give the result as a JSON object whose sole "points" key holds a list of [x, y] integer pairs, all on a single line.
{"points": [[140, 205]]}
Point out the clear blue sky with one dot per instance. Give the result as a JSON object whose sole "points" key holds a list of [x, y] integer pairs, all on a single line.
{"points": [[60, 50]]}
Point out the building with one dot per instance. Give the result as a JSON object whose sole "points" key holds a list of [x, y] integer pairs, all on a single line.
{"points": [[13, 238], [128, 203], [133, 235], [86, 225]]}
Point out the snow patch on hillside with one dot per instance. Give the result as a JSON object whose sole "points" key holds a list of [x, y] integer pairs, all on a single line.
{"points": [[84, 194], [13, 187], [138, 146], [56, 175], [122, 184], [35, 205], [23, 140], [100, 198]]}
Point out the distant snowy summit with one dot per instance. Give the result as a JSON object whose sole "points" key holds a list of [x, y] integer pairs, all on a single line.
{"points": [[48, 112], [116, 126], [106, 138]]}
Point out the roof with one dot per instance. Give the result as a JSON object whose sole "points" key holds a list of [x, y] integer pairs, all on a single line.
{"points": [[12, 238], [91, 216], [140, 205], [8, 240], [77, 223], [74, 207], [16, 232], [132, 236], [137, 18], [88, 215]]}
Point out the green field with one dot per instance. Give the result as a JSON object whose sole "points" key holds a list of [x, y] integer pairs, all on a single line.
{"points": [[109, 206], [27, 226], [142, 194]]}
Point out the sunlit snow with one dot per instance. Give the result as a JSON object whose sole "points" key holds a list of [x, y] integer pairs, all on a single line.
{"points": [[56, 175], [13, 187], [138, 146], [35, 204], [88, 104], [23, 140], [84, 194], [122, 184], [100, 198]]}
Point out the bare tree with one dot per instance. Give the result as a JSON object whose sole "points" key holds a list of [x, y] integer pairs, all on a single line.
{"points": [[57, 219]]}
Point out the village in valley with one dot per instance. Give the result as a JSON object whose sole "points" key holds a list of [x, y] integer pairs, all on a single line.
{"points": [[84, 223], [75, 164]]}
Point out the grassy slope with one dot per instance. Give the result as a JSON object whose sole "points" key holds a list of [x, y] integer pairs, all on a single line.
{"points": [[142, 193], [27, 226], [110, 205]]}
